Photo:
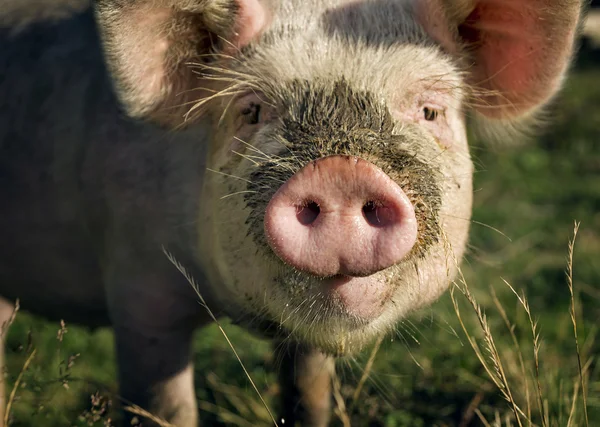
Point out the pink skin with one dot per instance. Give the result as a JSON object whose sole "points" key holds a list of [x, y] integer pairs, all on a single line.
{"points": [[343, 218], [509, 42], [361, 297], [252, 20]]}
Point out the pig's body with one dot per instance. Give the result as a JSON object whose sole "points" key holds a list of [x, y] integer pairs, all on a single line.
{"points": [[52, 206], [76, 173], [320, 190], [89, 195]]}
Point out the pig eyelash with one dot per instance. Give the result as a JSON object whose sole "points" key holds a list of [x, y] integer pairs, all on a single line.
{"points": [[430, 114], [252, 114]]}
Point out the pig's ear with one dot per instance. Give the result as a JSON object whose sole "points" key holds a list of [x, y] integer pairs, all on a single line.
{"points": [[150, 44], [519, 49]]}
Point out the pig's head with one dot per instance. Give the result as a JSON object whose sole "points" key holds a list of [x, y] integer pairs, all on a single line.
{"points": [[339, 192]]}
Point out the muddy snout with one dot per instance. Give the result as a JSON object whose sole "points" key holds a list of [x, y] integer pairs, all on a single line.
{"points": [[340, 215]]}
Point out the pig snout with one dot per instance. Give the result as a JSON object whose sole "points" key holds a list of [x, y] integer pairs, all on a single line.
{"points": [[340, 215]]}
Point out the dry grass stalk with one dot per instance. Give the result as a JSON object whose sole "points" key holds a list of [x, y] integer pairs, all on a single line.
{"points": [[13, 392], [536, 353], [511, 330], [233, 395], [497, 372], [136, 410], [482, 418], [340, 406], [245, 405], [470, 411], [493, 363], [573, 403], [366, 372], [574, 321]]}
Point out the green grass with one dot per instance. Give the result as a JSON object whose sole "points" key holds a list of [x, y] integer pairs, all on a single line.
{"points": [[426, 373]]}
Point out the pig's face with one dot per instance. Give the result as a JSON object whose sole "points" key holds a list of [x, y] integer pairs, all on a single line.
{"points": [[338, 193], [311, 154]]}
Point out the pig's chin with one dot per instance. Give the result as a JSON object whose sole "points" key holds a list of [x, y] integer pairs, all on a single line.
{"points": [[354, 301], [339, 314], [362, 298]]}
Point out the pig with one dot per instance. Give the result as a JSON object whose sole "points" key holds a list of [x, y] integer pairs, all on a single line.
{"points": [[305, 161]]}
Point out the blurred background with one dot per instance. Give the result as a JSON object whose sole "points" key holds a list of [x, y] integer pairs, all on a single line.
{"points": [[527, 197]]}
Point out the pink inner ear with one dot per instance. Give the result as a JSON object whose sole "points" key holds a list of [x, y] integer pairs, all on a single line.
{"points": [[512, 51], [523, 49], [520, 48], [252, 20]]}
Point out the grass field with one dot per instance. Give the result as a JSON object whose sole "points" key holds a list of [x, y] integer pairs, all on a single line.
{"points": [[427, 373]]}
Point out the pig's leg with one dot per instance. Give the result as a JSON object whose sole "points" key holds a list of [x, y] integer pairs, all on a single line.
{"points": [[156, 373], [305, 378], [154, 318], [6, 311]]}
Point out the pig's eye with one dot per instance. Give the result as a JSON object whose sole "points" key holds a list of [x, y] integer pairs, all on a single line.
{"points": [[430, 114], [252, 114]]}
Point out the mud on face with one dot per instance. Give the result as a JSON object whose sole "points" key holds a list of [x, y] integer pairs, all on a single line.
{"points": [[316, 121]]}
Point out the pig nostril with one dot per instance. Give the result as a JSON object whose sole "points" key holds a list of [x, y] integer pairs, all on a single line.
{"points": [[308, 213], [377, 215], [370, 212]]}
